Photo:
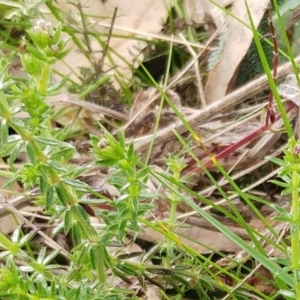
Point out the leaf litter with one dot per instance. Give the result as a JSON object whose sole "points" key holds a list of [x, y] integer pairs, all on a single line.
{"points": [[218, 129]]}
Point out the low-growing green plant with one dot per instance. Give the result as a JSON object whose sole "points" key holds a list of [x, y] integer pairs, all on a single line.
{"points": [[290, 175], [92, 265], [62, 194]]}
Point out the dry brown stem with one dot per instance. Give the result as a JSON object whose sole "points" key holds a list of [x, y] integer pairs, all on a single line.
{"points": [[205, 114]]}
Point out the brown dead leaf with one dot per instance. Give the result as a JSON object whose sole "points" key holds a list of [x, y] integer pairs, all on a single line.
{"points": [[9, 223], [198, 11], [153, 293], [262, 281], [238, 39], [81, 114], [145, 109]]}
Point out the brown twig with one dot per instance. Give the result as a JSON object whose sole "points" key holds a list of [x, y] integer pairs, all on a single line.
{"points": [[105, 50]]}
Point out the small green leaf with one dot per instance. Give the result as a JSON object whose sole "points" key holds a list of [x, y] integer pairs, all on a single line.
{"points": [[94, 140], [49, 197], [60, 191], [68, 221], [16, 235], [32, 64], [130, 151], [15, 152], [282, 213], [84, 222], [54, 89], [57, 166], [93, 87], [144, 172], [82, 214], [76, 183], [279, 183], [51, 256], [285, 172], [8, 245], [182, 267], [294, 229], [35, 38], [76, 237], [5, 110], [50, 60], [42, 255], [72, 274], [122, 140], [287, 294], [286, 192], [93, 255], [159, 270], [28, 237], [44, 185], [277, 161], [47, 141], [128, 269], [62, 44], [4, 254], [4, 133], [31, 153], [59, 227], [57, 34]]}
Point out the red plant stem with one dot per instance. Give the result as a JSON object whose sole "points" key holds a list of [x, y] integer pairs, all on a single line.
{"points": [[271, 116], [232, 148], [271, 110]]}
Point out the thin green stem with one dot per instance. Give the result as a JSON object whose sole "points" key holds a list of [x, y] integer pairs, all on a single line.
{"points": [[5, 110], [173, 211], [45, 76], [87, 230], [101, 266], [163, 97], [295, 232], [41, 157]]}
